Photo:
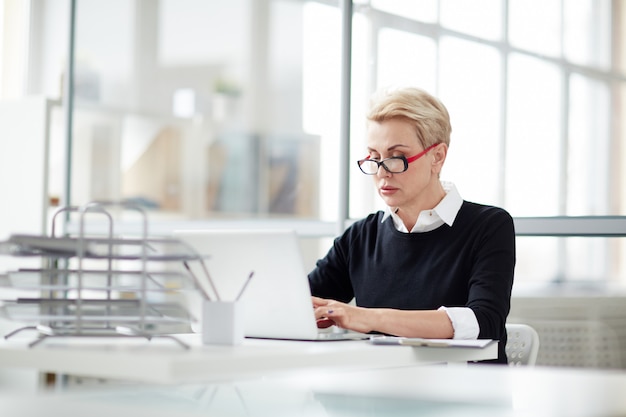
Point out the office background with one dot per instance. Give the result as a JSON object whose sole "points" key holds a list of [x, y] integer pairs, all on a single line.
{"points": [[251, 112]]}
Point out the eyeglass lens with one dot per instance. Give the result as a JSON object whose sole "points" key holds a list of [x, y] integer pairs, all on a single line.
{"points": [[394, 165]]}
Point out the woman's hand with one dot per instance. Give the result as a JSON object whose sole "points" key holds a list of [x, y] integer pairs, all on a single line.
{"points": [[433, 324], [320, 308], [331, 312]]}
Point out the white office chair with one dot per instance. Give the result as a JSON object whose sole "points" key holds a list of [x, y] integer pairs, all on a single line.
{"points": [[522, 344]]}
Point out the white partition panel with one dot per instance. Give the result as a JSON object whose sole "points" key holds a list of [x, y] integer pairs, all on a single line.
{"points": [[23, 165], [24, 149]]}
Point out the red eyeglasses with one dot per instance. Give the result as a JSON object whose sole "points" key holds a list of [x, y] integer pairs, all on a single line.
{"points": [[393, 165]]}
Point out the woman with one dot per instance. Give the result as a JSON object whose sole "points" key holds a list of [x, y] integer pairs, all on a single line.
{"points": [[431, 265]]}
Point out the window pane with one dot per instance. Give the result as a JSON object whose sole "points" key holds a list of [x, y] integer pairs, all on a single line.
{"points": [[587, 32], [618, 38], [587, 259], [572, 259], [535, 25], [104, 64], [618, 152], [321, 86], [533, 151], [472, 97], [424, 10], [588, 177], [362, 197], [482, 18], [170, 116], [405, 59], [537, 260]]}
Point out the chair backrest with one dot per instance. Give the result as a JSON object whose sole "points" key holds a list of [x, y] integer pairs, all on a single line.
{"points": [[522, 344]]}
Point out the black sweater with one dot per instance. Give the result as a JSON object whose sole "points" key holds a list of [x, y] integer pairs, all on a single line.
{"points": [[469, 264]]}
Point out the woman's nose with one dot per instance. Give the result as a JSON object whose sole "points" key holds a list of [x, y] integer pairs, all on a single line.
{"points": [[382, 172]]}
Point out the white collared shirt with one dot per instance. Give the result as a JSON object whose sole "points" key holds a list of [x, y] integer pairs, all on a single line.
{"points": [[444, 212], [463, 319]]}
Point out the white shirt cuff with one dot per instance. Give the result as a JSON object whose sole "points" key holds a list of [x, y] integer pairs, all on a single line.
{"points": [[463, 321]]}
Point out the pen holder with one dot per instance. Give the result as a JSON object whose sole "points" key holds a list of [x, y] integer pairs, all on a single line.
{"points": [[222, 323]]}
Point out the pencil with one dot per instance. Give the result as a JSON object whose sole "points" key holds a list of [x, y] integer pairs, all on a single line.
{"points": [[245, 284]]}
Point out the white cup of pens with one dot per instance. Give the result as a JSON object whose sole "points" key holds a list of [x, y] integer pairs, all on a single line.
{"points": [[222, 320]]}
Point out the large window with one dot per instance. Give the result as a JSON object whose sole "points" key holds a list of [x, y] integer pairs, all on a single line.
{"points": [[203, 109], [215, 111], [531, 90], [534, 89]]}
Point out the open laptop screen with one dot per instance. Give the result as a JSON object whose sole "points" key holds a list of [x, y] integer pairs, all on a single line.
{"points": [[277, 301]]}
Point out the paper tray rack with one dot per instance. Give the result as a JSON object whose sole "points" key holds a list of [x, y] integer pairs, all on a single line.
{"points": [[119, 271]]}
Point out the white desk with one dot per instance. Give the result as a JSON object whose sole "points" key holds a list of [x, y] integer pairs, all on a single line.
{"points": [[164, 361], [434, 391]]}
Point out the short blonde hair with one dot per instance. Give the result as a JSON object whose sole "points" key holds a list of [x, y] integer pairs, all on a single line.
{"points": [[429, 115]]}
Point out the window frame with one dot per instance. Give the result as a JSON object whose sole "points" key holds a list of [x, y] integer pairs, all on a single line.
{"points": [[560, 226]]}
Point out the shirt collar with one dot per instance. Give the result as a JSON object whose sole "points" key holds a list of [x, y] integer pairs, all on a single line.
{"points": [[447, 209], [450, 205]]}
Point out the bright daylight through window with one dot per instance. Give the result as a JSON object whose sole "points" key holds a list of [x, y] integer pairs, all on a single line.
{"points": [[170, 116], [535, 108]]}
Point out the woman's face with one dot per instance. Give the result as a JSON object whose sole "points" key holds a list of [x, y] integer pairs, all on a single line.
{"points": [[414, 187]]}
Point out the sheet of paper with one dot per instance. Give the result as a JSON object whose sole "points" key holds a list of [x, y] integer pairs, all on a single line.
{"points": [[414, 341]]}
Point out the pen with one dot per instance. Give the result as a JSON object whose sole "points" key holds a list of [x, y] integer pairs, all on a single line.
{"points": [[245, 284], [202, 290], [206, 271]]}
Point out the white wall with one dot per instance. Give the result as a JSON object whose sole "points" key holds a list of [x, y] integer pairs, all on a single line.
{"points": [[23, 165], [24, 200]]}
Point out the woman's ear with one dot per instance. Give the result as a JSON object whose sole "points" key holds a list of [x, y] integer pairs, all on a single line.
{"points": [[439, 154]]}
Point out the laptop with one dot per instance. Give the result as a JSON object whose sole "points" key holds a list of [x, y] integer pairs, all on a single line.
{"points": [[277, 299]]}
